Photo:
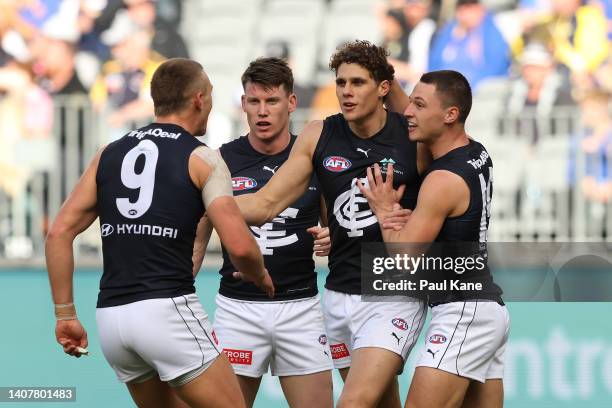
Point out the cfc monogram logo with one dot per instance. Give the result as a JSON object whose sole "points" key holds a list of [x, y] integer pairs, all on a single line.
{"points": [[348, 214]]}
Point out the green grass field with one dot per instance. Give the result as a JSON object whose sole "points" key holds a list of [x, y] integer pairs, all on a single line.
{"points": [[559, 355]]}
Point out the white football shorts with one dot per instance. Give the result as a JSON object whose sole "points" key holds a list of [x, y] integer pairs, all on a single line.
{"points": [[352, 323], [287, 336], [467, 339], [170, 336]]}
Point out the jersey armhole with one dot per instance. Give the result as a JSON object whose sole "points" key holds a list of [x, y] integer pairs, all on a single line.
{"points": [[471, 202], [323, 138]]}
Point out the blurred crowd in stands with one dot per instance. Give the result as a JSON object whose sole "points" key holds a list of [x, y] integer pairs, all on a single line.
{"points": [[549, 54]]}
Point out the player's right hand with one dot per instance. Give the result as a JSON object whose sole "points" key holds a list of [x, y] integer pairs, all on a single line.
{"points": [[71, 335], [265, 283]]}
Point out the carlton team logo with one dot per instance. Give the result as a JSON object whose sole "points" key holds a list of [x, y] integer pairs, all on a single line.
{"points": [[437, 339], [336, 164], [106, 230], [400, 323], [243, 183]]}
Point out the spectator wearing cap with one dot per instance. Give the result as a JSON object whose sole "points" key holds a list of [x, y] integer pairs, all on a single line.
{"points": [[472, 44], [121, 90], [536, 92]]}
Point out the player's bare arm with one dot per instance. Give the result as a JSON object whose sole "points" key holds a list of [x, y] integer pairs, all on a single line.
{"points": [[210, 173], [397, 100], [77, 213], [203, 233], [288, 183]]}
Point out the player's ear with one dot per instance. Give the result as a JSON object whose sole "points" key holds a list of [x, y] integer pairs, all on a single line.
{"points": [[197, 100], [243, 103], [292, 103], [383, 88], [451, 115]]}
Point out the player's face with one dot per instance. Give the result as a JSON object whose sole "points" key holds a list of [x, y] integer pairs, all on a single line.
{"points": [[425, 113], [267, 110], [358, 93], [206, 104]]}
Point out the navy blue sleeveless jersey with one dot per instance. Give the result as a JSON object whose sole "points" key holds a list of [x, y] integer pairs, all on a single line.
{"points": [[286, 246], [340, 158], [149, 210], [466, 235]]}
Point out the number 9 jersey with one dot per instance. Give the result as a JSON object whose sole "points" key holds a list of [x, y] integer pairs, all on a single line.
{"points": [[149, 210]]}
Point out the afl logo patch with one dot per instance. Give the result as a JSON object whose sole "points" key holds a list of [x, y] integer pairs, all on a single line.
{"points": [[400, 323], [106, 230], [437, 339], [336, 164], [323, 339], [243, 183]]}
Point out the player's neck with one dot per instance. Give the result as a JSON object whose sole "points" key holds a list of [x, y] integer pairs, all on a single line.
{"points": [[449, 140], [369, 125], [179, 120], [272, 146]]}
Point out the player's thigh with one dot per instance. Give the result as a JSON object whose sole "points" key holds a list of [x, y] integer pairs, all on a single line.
{"points": [[344, 373], [372, 372], [309, 391], [216, 387], [391, 397], [243, 331], [249, 387], [487, 395], [433, 388], [153, 393]]}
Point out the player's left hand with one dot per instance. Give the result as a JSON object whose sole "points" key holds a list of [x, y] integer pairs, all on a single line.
{"points": [[322, 242], [397, 218], [380, 194], [72, 336]]}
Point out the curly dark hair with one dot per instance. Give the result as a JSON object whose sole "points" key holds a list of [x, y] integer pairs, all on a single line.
{"points": [[371, 57]]}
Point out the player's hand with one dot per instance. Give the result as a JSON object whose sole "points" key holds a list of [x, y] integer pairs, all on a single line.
{"points": [[264, 283], [380, 194], [397, 218], [322, 242], [72, 336]]}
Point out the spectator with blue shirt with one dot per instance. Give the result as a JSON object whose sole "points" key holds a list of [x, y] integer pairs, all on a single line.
{"points": [[472, 44]]}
